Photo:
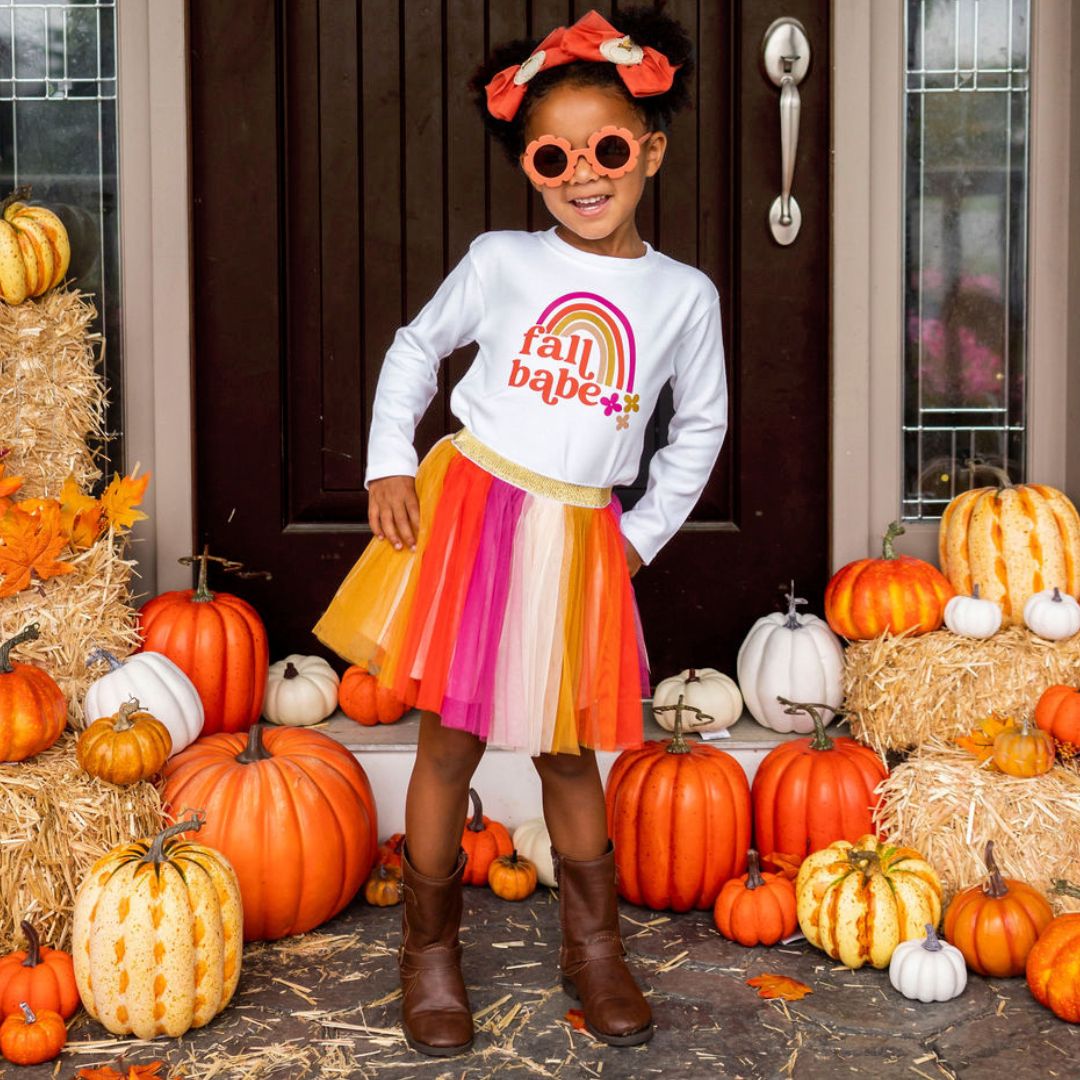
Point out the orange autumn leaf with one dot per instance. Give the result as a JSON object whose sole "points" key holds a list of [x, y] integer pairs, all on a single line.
{"points": [[980, 739], [780, 862], [8, 484], [779, 986], [120, 498], [145, 1072], [134, 1072], [86, 528], [576, 1019], [30, 544]]}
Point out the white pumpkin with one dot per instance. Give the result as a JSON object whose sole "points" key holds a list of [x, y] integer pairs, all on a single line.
{"points": [[706, 689], [531, 840], [928, 969], [973, 617], [790, 656], [1052, 614], [300, 691], [161, 687]]}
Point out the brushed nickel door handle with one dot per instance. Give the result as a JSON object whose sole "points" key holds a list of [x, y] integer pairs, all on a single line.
{"points": [[785, 56]]}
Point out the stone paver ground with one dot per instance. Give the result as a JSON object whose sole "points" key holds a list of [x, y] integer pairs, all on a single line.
{"points": [[326, 1006]]}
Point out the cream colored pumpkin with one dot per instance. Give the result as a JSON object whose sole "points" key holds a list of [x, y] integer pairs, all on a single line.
{"points": [[532, 841], [972, 616], [158, 936], [1014, 541], [1052, 615], [857, 902], [706, 689], [300, 691]]}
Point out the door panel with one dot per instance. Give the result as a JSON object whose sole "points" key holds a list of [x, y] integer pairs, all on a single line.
{"points": [[340, 171]]}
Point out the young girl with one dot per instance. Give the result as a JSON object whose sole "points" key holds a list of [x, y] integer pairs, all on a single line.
{"points": [[495, 595]]}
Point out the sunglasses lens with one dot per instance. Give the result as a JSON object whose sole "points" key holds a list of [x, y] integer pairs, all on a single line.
{"points": [[612, 152], [549, 160]]}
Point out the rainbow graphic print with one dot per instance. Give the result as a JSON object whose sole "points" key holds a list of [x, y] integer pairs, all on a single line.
{"points": [[588, 313]]}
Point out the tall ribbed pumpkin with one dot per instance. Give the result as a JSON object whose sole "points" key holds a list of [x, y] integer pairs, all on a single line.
{"points": [[1014, 541], [679, 816], [157, 936], [219, 642], [32, 707], [897, 593], [809, 792], [292, 810]]}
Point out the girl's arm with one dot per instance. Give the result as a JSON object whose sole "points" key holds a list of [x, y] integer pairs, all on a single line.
{"points": [[679, 472]]}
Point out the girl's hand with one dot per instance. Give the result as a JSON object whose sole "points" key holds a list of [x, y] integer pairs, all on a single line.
{"points": [[394, 510], [633, 559]]}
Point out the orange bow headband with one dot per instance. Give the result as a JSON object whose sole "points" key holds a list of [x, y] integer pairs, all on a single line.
{"points": [[645, 71]]}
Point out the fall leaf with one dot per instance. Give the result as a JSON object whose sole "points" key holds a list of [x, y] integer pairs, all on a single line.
{"points": [[120, 498], [576, 1019], [86, 527], [779, 986], [134, 1072], [780, 862], [30, 544], [8, 484], [980, 739]]}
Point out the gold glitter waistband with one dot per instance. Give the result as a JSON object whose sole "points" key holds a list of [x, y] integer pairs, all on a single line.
{"points": [[533, 482]]}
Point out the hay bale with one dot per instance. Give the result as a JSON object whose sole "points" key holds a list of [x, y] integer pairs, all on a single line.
{"points": [[943, 803], [901, 691], [76, 613], [52, 395], [55, 822]]}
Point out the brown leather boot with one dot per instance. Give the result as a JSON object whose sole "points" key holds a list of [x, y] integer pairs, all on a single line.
{"points": [[592, 951], [435, 1013]]}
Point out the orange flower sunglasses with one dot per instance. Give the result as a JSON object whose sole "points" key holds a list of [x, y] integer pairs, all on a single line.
{"points": [[611, 152]]}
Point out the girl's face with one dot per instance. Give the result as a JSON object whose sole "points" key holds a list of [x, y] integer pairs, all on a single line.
{"points": [[595, 212]]}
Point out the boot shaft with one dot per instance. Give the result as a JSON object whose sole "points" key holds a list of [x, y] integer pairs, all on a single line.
{"points": [[431, 914]]}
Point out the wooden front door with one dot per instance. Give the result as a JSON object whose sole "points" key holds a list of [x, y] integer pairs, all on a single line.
{"points": [[340, 171]]}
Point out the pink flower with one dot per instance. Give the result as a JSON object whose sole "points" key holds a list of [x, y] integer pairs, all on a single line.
{"points": [[611, 404]]}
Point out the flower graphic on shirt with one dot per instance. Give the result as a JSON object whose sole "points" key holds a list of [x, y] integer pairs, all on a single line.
{"points": [[622, 422], [630, 402], [611, 404]]}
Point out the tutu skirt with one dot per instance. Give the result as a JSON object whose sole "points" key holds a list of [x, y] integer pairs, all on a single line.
{"points": [[514, 619]]}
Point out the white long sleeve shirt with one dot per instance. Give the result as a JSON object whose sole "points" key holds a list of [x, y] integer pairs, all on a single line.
{"points": [[574, 349]]}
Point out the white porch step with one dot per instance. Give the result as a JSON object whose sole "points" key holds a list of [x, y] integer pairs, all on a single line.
{"points": [[505, 779]]}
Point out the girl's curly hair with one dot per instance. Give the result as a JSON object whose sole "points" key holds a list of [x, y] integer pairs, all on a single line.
{"points": [[645, 26]]}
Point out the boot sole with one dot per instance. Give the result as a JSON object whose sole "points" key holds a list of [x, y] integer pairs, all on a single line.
{"points": [[635, 1038], [435, 1051]]}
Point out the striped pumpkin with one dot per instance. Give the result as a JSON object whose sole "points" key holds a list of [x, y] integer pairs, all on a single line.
{"points": [[857, 902], [1013, 541], [158, 936], [897, 593]]}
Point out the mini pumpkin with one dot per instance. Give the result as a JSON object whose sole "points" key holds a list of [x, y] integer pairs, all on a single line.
{"points": [[757, 908], [531, 839], [300, 691], [383, 888], [928, 970], [33, 711], [1058, 713], [1052, 614], [362, 699], [1054, 961], [42, 977], [973, 617], [29, 1038], [995, 924], [512, 877], [35, 251], [125, 748], [1025, 752], [710, 695], [483, 840], [390, 850]]}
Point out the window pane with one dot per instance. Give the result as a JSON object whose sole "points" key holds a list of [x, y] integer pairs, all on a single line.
{"points": [[58, 134], [966, 214]]}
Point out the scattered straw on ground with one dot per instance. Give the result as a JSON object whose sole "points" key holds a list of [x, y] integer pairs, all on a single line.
{"points": [[943, 804], [55, 821], [76, 613], [900, 691], [52, 397]]}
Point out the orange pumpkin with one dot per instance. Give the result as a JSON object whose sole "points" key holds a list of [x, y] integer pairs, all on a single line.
{"points": [[293, 812], [1054, 962], [42, 977], [33, 711], [512, 877], [897, 593], [679, 817], [483, 840], [390, 850], [362, 699], [995, 924], [125, 748], [29, 1038], [757, 908], [1058, 714], [383, 888], [1024, 752], [219, 642]]}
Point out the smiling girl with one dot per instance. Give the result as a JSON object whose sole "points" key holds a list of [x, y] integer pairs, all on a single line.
{"points": [[495, 596]]}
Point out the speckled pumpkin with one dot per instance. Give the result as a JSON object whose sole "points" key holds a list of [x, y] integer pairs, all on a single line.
{"points": [[158, 936]]}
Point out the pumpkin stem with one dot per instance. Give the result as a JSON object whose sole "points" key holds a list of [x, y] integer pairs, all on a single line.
{"points": [[254, 750], [678, 744], [20, 194], [290, 671], [1066, 888], [29, 633], [975, 591], [28, 1013], [692, 676], [1003, 479], [123, 721], [1056, 598], [994, 885], [813, 709], [202, 594], [104, 654], [476, 823], [866, 861], [894, 530], [156, 852], [792, 620], [754, 880], [932, 942], [33, 945]]}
